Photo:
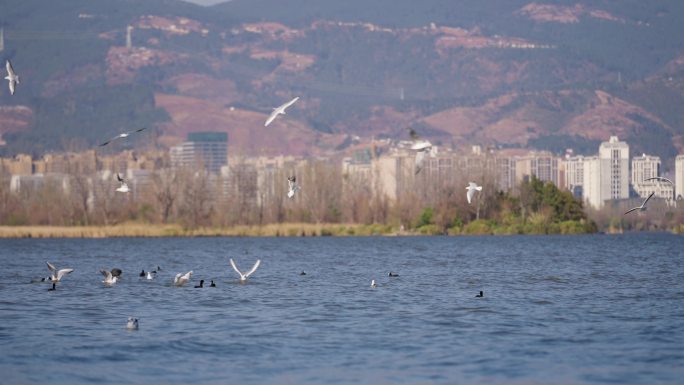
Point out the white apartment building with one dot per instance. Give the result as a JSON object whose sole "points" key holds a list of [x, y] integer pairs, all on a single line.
{"points": [[679, 177], [574, 175], [614, 156], [645, 167]]}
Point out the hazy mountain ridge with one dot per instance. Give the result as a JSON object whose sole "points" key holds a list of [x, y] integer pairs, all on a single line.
{"points": [[498, 72]]}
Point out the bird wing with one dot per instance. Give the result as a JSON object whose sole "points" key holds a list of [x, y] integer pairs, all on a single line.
{"points": [[140, 129], [288, 104], [232, 263], [420, 159], [118, 177], [271, 117], [630, 210], [51, 266], [187, 275], [659, 178], [63, 272], [649, 197], [253, 269], [470, 194], [177, 277], [12, 85], [10, 70], [107, 274]]}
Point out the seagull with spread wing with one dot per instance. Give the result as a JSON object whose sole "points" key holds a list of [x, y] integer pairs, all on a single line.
{"points": [[56, 275], [12, 77], [640, 208], [244, 276], [124, 187], [472, 187], [279, 111], [660, 179], [121, 136], [422, 146]]}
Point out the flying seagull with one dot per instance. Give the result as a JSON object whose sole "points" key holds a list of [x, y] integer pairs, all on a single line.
{"points": [[292, 186], [472, 186], [642, 207], [124, 187], [109, 279], [660, 178], [121, 136], [243, 277], [422, 147], [279, 110], [12, 77], [181, 280], [56, 275]]}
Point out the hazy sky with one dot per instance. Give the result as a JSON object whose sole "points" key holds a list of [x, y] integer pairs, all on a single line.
{"points": [[206, 2]]}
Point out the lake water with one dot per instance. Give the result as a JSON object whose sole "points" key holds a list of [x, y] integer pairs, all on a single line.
{"points": [[557, 310]]}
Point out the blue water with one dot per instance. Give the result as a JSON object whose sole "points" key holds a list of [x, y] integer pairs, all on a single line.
{"points": [[562, 310]]}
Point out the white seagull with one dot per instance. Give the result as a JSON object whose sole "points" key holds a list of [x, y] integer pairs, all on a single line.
{"points": [[132, 323], [472, 187], [640, 208], [12, 77], [660, 178], [109, 279], [422, 147], [56, 275], [121, 136], [181, 280], [243, 277], [292, 186], [279, 110], [373, 284], [124, 187], [149, 275]]}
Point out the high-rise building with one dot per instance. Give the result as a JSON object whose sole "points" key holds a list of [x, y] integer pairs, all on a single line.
{"points": [[679, 177], [542, 165], [208, 149], [614, 156], [645, 167], [594, 186], [574, 175]]}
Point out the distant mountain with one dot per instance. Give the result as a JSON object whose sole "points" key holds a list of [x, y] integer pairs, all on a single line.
{"points": [[497, 72]]}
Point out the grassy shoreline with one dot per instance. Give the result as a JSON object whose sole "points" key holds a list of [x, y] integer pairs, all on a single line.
{"points": [[278, 230]]}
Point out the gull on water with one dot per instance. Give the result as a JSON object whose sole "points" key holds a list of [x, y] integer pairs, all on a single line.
{"points": [[373, 284], [640, 208], [12, 77], [121, 136], [243, 277], [279, 110], [56, 275], [472, 187], [132, 323], [293, 187], [109, 279], [124, 187], [422, 148], [181, 280], [660, 178], [149, 275]]}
